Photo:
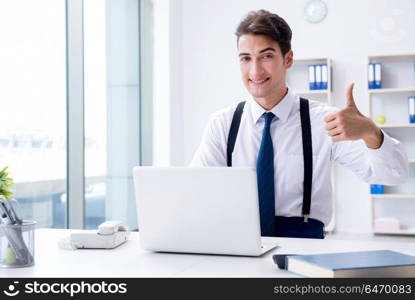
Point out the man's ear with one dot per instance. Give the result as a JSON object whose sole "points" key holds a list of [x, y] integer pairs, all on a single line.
{"points": [[288, 59]]}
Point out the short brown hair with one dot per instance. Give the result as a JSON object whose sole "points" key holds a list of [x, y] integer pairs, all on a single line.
{"points": [[263, 22]]}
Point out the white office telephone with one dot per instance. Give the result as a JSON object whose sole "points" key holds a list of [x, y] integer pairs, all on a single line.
{"points": [[110, 234]]}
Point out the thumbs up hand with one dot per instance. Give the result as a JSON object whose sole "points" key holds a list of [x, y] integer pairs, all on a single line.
{"points": [[350, 124]]}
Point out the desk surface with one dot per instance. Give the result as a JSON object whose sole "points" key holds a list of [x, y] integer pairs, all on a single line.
{"points": [[129, 260]]}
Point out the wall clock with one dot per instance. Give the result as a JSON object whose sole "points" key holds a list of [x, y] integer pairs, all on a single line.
{"points": [[315, 11]]}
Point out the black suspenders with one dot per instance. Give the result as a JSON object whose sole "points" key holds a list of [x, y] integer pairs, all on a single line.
{"points": [[307, 149], [308, 156], [233, 132]]}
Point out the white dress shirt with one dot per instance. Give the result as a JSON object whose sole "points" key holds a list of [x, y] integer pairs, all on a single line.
{"points": [[386, 165]]}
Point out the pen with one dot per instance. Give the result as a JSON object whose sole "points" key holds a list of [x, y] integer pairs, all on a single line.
{"points": [[10, 235], [7, 217], [14, 235], [15, 210]]}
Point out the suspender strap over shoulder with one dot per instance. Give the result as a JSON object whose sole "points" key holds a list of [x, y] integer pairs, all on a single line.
{"points": [[308, 156], [233, 132]]}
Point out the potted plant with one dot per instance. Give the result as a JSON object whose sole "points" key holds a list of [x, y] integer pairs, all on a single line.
{"points": [[5, 183], [17, 252]]}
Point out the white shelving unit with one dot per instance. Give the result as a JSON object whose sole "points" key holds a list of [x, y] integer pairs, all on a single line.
{"points": [[391, 90], [398, 232], [398, 126], [297, 78], [391, 101], [393, 196]]}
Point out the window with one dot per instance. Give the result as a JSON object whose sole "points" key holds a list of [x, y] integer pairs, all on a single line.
{"points": [[71, 90], [33, 106], [112, 135]]}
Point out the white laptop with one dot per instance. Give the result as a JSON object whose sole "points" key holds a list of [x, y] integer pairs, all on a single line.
{"points": [[199, 210]]}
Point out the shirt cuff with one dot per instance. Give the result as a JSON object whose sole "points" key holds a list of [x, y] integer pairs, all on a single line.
{"points": [[386, 150]]}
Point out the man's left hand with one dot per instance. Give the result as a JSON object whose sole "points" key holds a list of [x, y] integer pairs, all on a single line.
{"points": [[349, 124]]}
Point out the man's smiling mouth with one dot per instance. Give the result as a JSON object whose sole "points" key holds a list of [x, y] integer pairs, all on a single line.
{"points": [[259, 82]]}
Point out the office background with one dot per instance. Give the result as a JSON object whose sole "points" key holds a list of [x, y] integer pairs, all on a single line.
{"points": [[202, 57], [140, 83]]}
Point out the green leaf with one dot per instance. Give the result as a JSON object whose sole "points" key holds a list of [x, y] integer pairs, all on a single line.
{"points": [[5, 183]]}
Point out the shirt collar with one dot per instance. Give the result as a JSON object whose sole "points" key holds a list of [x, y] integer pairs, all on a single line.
{"points": [[281, 110]]}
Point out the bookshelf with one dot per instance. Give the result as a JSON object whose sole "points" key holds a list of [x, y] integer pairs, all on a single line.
{"points": [[397, 126], [391, 102], [298, 81], [393, 196], [393, 90]]}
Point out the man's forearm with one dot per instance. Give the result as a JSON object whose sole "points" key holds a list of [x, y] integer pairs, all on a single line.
{"points": [[375, 140]]}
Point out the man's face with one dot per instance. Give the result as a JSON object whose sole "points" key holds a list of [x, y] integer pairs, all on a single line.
{"points": [[263, 68]]}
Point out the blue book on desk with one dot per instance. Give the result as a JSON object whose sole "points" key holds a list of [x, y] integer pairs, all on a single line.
{"points": [[377, 263]]}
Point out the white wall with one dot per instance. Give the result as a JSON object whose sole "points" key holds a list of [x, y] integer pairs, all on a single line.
{"points": [[168, 83], [206, 68]]}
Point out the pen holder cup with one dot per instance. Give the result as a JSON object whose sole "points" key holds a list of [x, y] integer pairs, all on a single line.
{"points": [[17, 245]]}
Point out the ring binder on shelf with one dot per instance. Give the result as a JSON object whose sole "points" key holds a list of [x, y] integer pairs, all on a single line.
{"points": [[312, 77]]}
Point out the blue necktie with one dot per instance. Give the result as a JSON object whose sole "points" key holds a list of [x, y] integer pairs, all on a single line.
{"points": [[265, 178]]}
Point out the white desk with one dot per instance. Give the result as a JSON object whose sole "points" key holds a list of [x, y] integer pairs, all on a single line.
{"points": [[129, 260]]}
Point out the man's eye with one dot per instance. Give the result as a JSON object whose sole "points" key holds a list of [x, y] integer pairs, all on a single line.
{"points": [[267, 56], [244, 59]]}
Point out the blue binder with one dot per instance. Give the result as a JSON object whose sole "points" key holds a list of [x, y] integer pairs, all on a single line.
{"points": [[312, 77], [376, 189], [371, 75], [318, 77], [411, 109], [324, 76], [378, 76]]}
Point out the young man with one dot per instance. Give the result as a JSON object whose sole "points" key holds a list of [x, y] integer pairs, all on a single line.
{"points": [[292, 142]]}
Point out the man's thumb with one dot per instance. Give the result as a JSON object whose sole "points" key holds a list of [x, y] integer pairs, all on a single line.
{"points": [[349, 96]]}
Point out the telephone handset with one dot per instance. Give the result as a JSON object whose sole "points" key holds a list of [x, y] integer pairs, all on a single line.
{"points": [[111, 227], [109, 235]]}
